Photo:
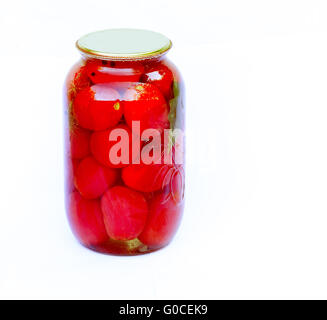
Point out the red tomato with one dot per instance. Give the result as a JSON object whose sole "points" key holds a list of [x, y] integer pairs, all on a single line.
{"points": [[87, 220], [148, 177], [79, 142], [97, 107], [145, 103], [162, 77], [92, 179], [125, 212], [101, 146], [114, 71], [162, 223]]}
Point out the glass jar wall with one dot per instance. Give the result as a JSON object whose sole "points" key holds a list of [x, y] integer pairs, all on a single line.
{"points": [[124, 143]]}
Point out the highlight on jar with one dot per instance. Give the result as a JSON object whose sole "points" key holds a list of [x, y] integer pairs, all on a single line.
{"points": [[124, 143]]}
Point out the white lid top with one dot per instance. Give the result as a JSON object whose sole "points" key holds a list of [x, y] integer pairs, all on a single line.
{"points": [[124, 44]]}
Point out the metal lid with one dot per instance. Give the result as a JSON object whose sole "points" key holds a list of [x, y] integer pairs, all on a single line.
{"points": [[123, 44]]}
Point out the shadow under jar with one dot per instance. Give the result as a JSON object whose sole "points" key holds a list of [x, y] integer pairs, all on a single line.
{"points": [[124, 143]]}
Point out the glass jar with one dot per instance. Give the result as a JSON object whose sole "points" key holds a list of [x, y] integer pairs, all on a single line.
{"points": [[124, 143]]}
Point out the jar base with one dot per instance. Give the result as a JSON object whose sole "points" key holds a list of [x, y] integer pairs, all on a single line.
{"points": [[122, 248]]}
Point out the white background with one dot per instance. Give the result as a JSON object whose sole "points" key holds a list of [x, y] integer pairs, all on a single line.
{"points": [[256, 215]]}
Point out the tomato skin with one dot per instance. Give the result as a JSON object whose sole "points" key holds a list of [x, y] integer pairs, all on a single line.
{"points": [[163, 220], [97, 107], [160, 76], [145, 103], [150, 177], [147, 177], [114, 71], [79, 142], [101, 146], [125, 212], [86, 220], [92, 179]]}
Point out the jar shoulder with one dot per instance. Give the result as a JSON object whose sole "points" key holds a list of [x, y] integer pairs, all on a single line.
{"points": [[161, 73]]}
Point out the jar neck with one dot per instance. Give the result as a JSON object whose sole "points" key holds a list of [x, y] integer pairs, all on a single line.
{"points": [[154, 59]]}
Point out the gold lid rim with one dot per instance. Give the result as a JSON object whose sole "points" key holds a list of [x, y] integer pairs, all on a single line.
{"points": [[123, 56]]}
